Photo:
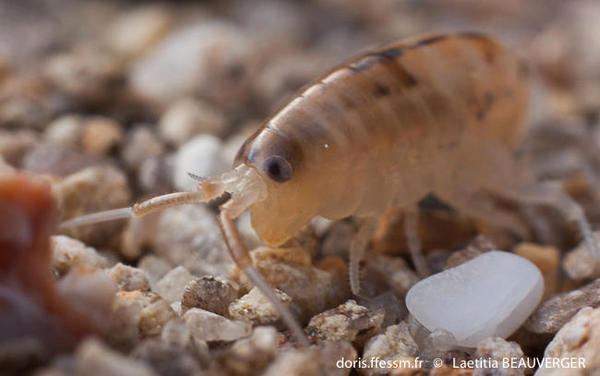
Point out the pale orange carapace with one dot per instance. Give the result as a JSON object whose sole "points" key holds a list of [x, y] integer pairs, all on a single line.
{"points": [[440, 113]]}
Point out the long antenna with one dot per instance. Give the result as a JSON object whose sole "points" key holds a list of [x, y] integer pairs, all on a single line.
{"points": [[140, 209]]}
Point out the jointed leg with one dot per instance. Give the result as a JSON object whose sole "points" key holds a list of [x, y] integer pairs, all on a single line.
{"points": [[358, 246], [411, 226], [241, 256]]}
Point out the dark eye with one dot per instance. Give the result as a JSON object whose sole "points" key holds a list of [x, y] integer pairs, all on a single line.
{"points": [[278, 168]]}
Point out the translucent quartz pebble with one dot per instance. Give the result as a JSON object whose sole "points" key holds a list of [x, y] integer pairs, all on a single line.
{"points": [[490, 295]]}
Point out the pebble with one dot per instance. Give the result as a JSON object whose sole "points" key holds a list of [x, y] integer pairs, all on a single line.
{"points": [[86, 74], [126, 313], [248, 356], [54, 159], [210, 293], [189, 235], [135, 235], [459, 300], [395, 344], [202, 156], [577, 341], [90, 293], [499, 349], [25, 103], [94, 358], [313, 362], [140, 145], [187, 118], [554, 312], [20, 354], [15, 145], [91, 190], [201, 59], [290, 270], [5, 168], [547, 259], [134, 32], [478, 246], [68, 253], [128, 278], [166, 359], [154, 174], [172, 285], [65, 131], [155, 267], [176, 333], [580, 264], [100, 135], [154, 316], [210, 327], [349, 321], [394, 307], [255, 308], [394, 271]]}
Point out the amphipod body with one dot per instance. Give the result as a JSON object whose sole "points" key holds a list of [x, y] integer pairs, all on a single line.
{"points": [[433, 114], [436, 114]]}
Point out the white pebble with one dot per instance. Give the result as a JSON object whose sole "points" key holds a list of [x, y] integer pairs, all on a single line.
{"points": [[490, 295], [171, 286], [189, 117], [208, 326], [201, 156]]}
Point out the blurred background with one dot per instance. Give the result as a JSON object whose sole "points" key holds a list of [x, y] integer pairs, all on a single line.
{"points": [[116, 101], [158, 89]]}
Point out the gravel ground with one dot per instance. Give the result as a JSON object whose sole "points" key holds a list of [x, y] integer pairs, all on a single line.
{"points": [[110, 102]]}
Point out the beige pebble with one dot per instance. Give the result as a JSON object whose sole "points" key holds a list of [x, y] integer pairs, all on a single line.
{"points": [[68, 253], [91, 190], [580, 264], [578, 340], [172, 285], [129, 278], [547, 259], [499, 349], [209, 327], [154, 316], [187, 118], [100, 135], [254, 307], [554, 312], [348, 321], [396, 344], [94, 358], [210, 293]]}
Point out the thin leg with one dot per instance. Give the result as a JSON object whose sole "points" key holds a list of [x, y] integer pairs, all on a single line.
{"points": [[411, 226], [552, 194], [540, 225], [358, 246], [482, 207], [241, 257]]}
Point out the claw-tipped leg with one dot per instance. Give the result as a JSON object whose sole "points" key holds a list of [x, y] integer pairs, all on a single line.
{"points": [[358, 247], [411, 227], [240, 255]]}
